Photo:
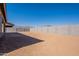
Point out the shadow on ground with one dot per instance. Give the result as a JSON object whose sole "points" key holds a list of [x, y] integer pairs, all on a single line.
{"points": [[13, 41]]}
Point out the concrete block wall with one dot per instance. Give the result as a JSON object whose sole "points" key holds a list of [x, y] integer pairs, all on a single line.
{"points": [[57, 29]]}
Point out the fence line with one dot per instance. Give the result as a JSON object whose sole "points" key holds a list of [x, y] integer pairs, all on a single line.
{"points": [[59, 29]]}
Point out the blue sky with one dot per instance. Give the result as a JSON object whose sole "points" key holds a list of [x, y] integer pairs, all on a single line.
{"points": [[24, 14]]}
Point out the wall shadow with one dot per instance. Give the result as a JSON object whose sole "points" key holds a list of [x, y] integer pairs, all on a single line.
{"points": [[13, 41]]}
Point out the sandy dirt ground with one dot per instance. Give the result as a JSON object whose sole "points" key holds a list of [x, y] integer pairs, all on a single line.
{"points": [[52, 45]]}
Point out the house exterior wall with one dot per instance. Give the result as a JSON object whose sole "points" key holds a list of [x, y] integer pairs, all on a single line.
{"points": [[0, 21], [0, 24], [0, 27]]}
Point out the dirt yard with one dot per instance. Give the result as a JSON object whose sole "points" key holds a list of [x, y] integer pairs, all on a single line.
{"points": [[51, 45]]}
